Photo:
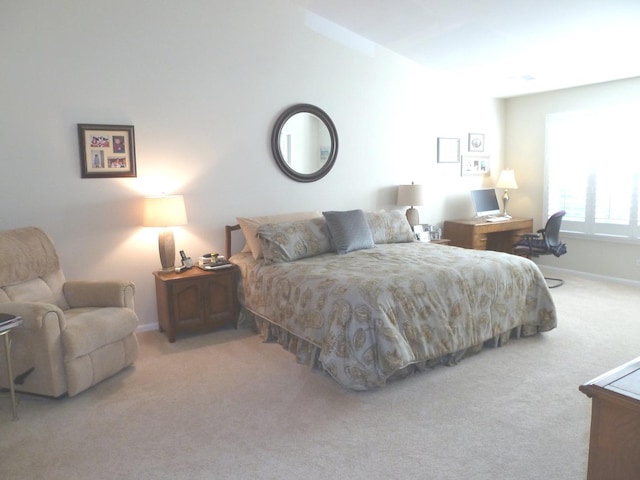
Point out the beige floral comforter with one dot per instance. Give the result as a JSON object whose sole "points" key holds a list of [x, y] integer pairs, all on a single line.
{"points": [[371, 314]]}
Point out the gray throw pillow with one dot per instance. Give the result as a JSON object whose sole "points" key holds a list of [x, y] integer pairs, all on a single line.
{"points": [[349, 230]]}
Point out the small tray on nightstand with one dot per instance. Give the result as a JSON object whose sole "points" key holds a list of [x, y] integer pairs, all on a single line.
{"points": [[216, 266]]}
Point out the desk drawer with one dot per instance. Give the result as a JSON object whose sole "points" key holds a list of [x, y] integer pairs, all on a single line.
{"points": [[479, 241]]}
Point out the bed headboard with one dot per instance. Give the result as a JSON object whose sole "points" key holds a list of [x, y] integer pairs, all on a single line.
{"points": [[227, 232]]}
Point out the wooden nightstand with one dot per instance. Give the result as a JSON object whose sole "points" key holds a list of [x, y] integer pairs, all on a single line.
{"points": [[615, 421], [196, 300]]}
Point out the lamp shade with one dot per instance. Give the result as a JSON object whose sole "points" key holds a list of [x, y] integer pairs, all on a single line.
{"points": [[164, 211], [507, 180], [410, 195]]}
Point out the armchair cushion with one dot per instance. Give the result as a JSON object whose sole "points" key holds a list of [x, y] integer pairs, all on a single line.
{"points": [[87, 329], [45, 289]]}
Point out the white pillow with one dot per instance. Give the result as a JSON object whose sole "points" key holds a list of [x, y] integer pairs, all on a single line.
{"points": [[249, 226]]}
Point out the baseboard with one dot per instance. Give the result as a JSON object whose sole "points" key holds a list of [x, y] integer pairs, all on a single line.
{"points": [[560, 271], [147, 327]]}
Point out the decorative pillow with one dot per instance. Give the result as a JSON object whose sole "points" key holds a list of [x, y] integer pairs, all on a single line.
{"points": [[349, 230], [249, 227], [285, 242], [389, 227]]}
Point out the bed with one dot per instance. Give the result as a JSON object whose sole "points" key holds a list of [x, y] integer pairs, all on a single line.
{"points": [[353, 293]]}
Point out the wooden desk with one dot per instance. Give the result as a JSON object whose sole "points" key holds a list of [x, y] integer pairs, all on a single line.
{"points": [[482, 235], [614, 446]]}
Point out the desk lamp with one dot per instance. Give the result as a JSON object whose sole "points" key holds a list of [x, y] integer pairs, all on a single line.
{"points": [[410, 195], [506, 180], [165, 211]]}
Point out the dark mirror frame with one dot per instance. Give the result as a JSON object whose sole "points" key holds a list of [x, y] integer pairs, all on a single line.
{"points": [[275, 142]]}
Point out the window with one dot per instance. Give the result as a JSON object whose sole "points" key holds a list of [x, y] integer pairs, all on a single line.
{"points": [[593, 171]]}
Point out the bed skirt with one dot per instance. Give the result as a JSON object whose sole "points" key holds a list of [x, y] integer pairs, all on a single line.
{"points": [[307, 353]]}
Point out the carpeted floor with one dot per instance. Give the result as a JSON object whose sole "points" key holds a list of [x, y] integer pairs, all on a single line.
{"points": [[226, 406]]}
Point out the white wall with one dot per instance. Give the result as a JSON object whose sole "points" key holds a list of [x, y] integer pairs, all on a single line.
{"points": [[524, 152], [203, 81]]}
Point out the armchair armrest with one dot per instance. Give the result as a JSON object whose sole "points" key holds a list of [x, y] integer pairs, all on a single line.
{"points": [[110, 293], [35, 315]]}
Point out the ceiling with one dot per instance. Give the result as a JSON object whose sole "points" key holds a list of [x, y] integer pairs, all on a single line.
{"points": [[503, 47]]}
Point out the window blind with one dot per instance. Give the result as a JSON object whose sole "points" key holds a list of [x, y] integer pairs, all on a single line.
{"points": [[593, 170]]}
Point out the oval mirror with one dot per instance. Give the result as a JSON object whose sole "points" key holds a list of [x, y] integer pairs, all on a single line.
{"points": [[304, 143]]}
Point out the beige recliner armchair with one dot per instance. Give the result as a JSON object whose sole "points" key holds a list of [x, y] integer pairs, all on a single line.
{"points": [[74, 334]]}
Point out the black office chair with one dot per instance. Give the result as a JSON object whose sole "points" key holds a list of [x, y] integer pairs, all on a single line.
{"points": [[545, 242]]}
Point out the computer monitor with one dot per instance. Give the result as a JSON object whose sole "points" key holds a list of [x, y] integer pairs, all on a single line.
{"points": [[485, 202]]}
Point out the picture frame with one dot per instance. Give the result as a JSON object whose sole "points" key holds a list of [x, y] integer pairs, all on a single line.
{"points": [[107, 151], [475, 165], [448, 150], [476, 142], [422, 232]]}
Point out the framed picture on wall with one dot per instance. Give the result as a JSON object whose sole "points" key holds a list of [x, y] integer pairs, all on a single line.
{"points": [[107, 150], [475, 165], [448, 150], [476, 142]]}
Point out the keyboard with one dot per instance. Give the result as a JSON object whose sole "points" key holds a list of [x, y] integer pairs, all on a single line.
{"points": [[497, 218]]}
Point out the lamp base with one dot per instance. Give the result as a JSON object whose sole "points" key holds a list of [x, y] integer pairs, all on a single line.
{"points": [[413, 216], [505, 202], [167, 248]]}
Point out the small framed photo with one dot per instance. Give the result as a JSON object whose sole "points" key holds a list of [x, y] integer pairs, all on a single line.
{"points": [[107, 150], [422, 232], [476, 142], [475, 165], [448, 150]]}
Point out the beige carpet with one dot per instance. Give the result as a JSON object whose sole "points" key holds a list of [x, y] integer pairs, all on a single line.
{"points": [[224, 405]]}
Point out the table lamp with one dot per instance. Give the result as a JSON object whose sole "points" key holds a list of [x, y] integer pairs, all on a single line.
{"points": [[506, 180], [165, 211], [410, 195]]}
